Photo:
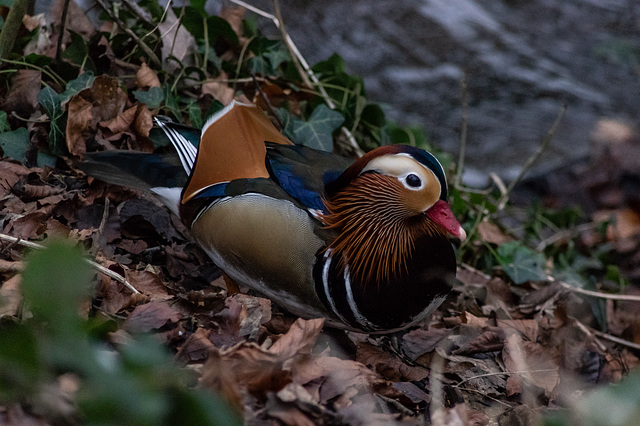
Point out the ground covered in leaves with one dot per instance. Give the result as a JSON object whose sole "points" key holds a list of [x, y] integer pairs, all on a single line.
{"points": [[544, 311]]}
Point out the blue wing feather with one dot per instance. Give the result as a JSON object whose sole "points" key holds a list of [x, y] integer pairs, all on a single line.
{"points": [[303, 172]]}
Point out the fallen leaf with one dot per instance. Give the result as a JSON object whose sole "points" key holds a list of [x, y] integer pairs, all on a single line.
{"points": [[22, 97], [149, 284], [150, 316], [78, 122], [299, 340], [197, 347], [491, 233], [27, 227], [176, 42], [531, 362], [234, 15], [10, 296], [219, 89], [419, 341], [143, 122], [389, 366], [121, 122], [146, 77]]}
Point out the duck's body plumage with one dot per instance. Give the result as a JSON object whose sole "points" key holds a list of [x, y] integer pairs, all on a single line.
{"points": [[363, 244]]}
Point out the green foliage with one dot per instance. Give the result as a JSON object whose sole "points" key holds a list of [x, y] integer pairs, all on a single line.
{"points": [[317, 131], [152, 97], [14, 144], [614, 405], [521, 263], [137, 385]]}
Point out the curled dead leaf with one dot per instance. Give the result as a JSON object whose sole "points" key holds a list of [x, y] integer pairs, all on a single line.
{"points": [[150, 316], [219, 89], [146, 77], [121, 122], [10, 296], [79, 120]]}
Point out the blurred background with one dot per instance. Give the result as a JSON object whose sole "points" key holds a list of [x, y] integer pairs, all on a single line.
{"points": [[523, 59]]}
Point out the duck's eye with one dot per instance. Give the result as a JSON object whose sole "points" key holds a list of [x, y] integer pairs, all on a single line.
{"points": [[413, 180]]}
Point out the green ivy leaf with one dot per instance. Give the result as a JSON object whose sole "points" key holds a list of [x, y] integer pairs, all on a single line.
{"points": [[152, 97], [259, 65], [77, 85], [4, 122], [317, 132], [77, 50], [521, 263], [15, 143], [277, 54], [195, 114]]}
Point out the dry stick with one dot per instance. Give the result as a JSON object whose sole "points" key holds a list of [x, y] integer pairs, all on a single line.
{"points": [[616, 340], [100, 268], [601, 295], [283, 32], [297, 55], [63, 25], [146, 49], [534, 158], [598, 294], [463, 131], [558, 236]]}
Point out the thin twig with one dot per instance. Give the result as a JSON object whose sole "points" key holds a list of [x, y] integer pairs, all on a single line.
{"points": [[106, 271], [598, 294], [504, 373], [146, 49], [617, 340], [63, 25], [305, 65], [283, 32], [535, 157], [463, 131], [558, 236]]}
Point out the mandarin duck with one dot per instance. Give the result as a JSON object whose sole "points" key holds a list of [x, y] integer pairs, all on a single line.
{"points": [[364, 244]]}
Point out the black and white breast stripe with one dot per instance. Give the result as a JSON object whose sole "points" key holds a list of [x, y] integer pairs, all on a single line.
{"points": [[334, 289]]}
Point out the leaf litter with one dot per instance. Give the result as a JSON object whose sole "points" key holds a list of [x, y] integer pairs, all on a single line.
{"points": [[501, 347]]}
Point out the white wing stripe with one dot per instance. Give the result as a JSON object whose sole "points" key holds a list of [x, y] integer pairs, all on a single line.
{"points": [[186, 151]]}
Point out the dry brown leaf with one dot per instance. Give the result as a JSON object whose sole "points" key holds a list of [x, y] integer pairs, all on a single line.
{"points": [[490, 340], [149, 284], [146, 77], [79, 120], [10, 296], [27, 227], [299, 340], [388, 365], [107, 98], [76, 18], [491, 233], [177, 42], [197, 347], [22, 97], [626, 223], [218, 89], [150, 316], [528, 329], [144, 121], [121, 122], [419, 341], [244, 367], [234, 15], [531, 362]]}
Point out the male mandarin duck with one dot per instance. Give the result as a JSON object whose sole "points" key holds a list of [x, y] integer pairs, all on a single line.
{"points": [[365, 245]]}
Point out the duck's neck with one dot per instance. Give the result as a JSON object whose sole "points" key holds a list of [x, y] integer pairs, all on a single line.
{"points": [[376, 235]]}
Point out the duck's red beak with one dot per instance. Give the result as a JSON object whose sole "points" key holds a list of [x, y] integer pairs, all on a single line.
{"points": [[441, 213]]}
